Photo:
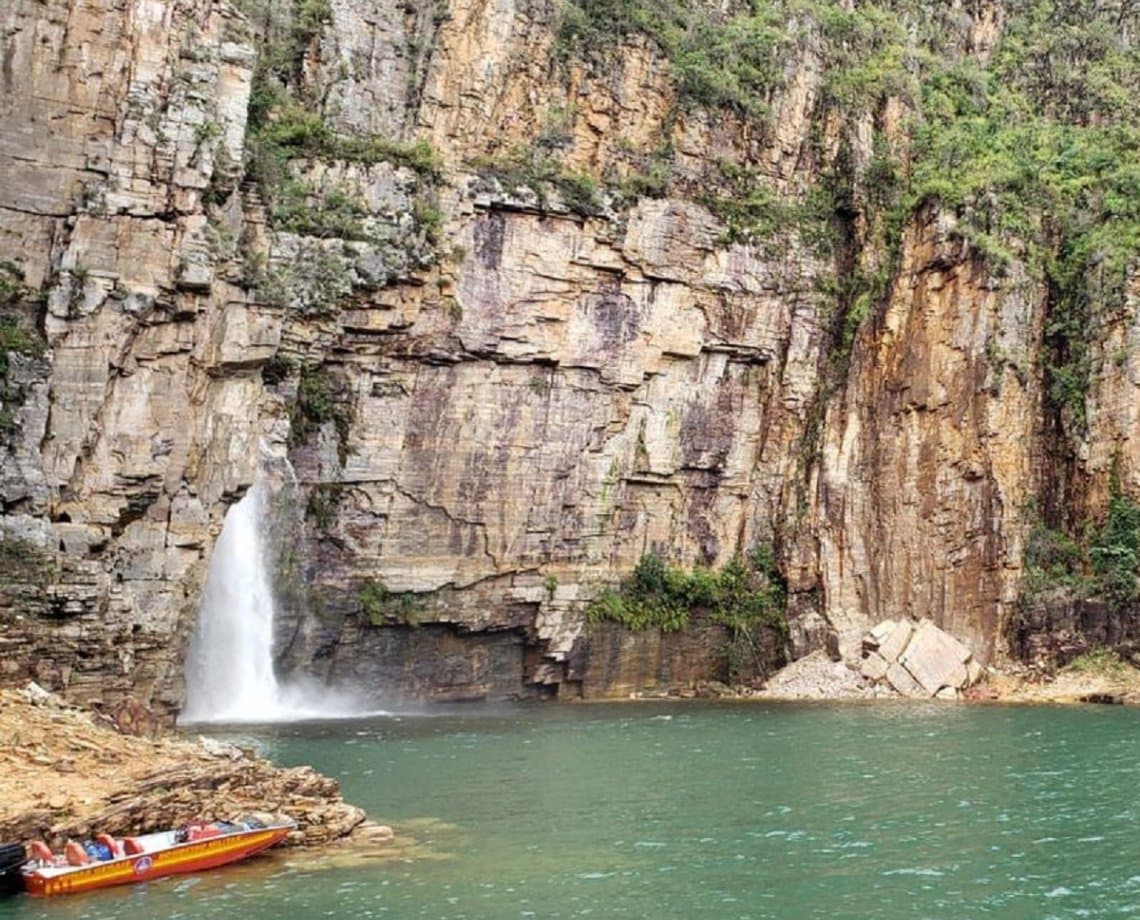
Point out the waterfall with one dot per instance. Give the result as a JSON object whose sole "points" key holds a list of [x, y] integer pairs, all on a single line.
{"points": [[229, 674], [229, 666]]}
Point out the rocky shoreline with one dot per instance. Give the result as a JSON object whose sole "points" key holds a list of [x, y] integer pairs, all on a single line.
{"points": [[817, 677], [1098, 677], [68, 773]]}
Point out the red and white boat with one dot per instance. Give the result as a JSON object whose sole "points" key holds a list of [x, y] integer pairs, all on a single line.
{"points": [[106, 861]]}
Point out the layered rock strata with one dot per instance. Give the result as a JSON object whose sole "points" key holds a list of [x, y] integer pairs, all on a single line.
{"points": [[482, 395], [67, 775]]}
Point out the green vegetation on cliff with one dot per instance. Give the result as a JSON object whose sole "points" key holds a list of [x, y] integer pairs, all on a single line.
{"points": [[1100, 563], [319, 403], [748, 597], [288, 131], [1033, 146], [1100, 663], [383, 607], [531, 167], [16, 338], [1039, 156], [745, 594], [735, 62]]}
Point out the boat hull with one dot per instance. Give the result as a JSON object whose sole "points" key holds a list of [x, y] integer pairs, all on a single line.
{"points": [[12, 857], [194, 856]]}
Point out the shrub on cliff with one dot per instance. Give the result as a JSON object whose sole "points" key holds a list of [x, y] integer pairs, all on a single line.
{"points": [[1101, 563], [744, 595], [318, 402], [1115, 552], [382, 607]]}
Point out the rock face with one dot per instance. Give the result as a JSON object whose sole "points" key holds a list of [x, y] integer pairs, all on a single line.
{"points": [[615, 661], [136, 429], [928, 449], [482, 386]]}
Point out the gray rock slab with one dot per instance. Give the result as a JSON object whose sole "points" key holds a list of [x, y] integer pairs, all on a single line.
{"points": [[896, 641], [902, 680], [935, 658]]}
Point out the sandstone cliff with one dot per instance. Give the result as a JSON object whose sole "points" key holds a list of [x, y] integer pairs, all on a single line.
{"points": [[501, 299]]}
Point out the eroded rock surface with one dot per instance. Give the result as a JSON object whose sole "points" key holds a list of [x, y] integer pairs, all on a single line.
{"points": [[67, 773]]}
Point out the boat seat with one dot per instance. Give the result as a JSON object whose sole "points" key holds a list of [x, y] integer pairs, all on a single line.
{"points": [[115, 846], [75, 854], [202, 831], [131, 846]]}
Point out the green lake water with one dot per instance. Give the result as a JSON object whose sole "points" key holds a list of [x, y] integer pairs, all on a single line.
{"points": [[725, 811]]}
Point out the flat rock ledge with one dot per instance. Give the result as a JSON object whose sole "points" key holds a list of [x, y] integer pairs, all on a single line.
{"points": [[65, 772]]}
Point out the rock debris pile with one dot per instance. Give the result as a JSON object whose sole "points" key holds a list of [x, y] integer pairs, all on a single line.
{"points": [[817, 677], [918, 660], [899, 658]]}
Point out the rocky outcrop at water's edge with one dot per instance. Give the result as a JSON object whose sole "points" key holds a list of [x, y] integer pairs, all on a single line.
{"points": [[65, 773]]}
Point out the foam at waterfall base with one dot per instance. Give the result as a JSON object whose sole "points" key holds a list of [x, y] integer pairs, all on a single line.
{"points": [[301, 702]]}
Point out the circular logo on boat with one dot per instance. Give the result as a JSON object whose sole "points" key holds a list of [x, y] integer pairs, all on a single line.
{"points": [[141, 865]]}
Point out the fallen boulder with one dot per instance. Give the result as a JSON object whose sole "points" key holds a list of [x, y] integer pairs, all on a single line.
{"points": [[918, 660]]}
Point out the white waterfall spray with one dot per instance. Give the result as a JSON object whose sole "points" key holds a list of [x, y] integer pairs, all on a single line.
{"points": [[229, 675], [229, 667]]}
